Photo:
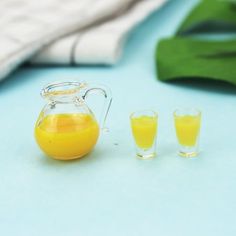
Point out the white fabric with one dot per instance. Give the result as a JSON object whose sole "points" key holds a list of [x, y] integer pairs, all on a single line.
{"points": [[96, 29], [101, 44]]}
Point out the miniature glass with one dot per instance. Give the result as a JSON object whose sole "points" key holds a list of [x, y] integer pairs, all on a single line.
{"points": [[187, 127], [144, 130]]}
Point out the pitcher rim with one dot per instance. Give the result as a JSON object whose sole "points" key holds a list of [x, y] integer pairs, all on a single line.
{"points": [[61, 88]]}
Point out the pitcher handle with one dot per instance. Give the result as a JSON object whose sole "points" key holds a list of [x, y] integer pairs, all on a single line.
{"points": [[107, 103]]}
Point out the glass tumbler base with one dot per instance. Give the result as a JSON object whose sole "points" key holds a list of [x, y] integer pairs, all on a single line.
{"points": [[187, 154], [144, 156]]}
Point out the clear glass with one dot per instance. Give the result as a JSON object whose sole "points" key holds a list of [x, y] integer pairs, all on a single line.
{"points": [[66, 128], [187, 126], [144, 130]]}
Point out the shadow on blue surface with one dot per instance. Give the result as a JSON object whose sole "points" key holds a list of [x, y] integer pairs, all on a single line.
{"points": [[13, 81], [208, 85]]}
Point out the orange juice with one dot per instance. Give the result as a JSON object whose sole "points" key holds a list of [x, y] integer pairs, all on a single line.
{"points": [[144, 130], [187, 129], [67, 136]]}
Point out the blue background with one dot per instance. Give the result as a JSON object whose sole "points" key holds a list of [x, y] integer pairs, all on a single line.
{"points": [[110, 192]]}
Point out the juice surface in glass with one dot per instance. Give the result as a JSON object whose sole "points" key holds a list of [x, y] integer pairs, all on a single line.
{"points": [[144, 130], [67, 136], [187, 129]]}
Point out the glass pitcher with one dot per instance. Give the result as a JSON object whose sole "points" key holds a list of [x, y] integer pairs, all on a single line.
{"points": [[66, 128]]}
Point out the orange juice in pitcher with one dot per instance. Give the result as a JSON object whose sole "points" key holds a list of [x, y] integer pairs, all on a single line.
{"points": [[66, 128]]}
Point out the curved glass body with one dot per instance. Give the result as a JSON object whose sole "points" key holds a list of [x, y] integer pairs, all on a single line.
{"points": [[66, 128], [187, 126], [144, 129]]}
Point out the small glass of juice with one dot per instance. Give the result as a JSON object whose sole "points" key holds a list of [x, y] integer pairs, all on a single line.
{"points": [[144, 130], [187, 127]]}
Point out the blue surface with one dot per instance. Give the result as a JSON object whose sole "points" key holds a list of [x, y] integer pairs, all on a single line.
{"points": [[111, 192]]}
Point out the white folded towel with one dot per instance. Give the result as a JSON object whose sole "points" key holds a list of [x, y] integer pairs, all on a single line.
{"points": [[100, 44], [95, 30]]}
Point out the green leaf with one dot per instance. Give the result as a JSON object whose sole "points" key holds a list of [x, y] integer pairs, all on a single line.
{"points": [[186, 57], [189, 58], [210, 16]]}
